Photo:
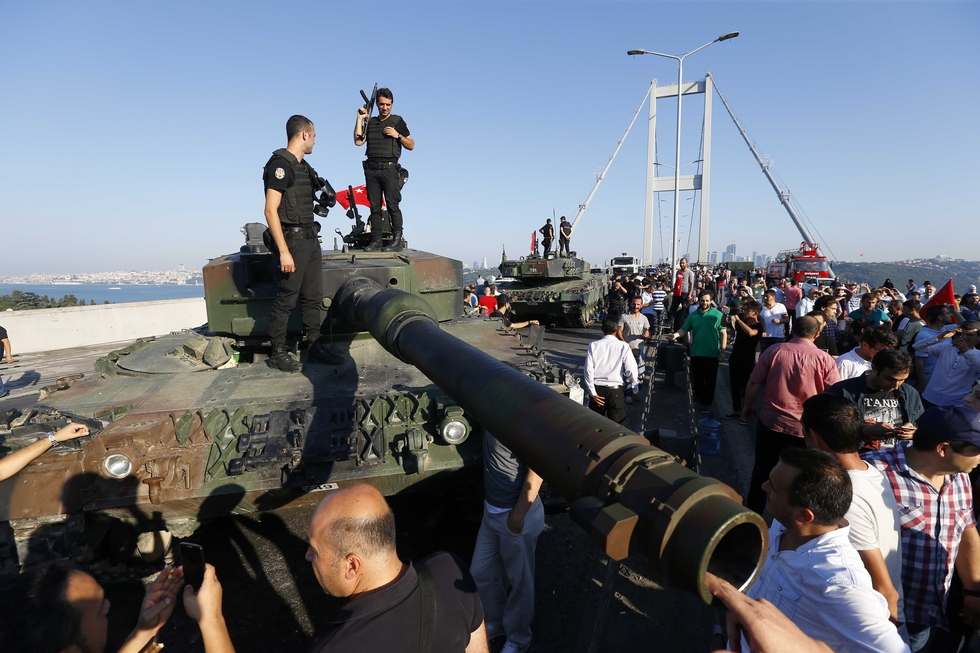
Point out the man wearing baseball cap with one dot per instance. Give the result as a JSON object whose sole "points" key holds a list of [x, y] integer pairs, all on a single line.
{"points": [[929, 477]]}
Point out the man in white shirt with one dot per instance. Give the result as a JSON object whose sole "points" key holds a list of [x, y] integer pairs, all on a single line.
{"points": [[811, 572], [834, 424], [609, 365], [858, 361], [773, 317], [806, 304], [634, 329]]}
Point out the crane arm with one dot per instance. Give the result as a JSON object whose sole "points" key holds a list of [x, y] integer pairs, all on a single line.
{"points": [[783, 195]]}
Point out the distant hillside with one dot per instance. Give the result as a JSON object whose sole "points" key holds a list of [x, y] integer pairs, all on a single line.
{"points": [[963, 273]]}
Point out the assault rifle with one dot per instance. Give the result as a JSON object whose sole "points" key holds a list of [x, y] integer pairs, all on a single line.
{"points": [[369, 105]]}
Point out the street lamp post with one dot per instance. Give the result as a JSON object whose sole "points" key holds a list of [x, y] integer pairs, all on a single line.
{"points": [[677, 157]]}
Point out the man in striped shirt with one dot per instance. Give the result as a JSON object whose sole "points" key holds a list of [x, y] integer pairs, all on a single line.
{"points": [[653, 306], [935, 503]]}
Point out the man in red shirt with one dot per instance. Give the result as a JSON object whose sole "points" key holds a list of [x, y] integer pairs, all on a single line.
{"points": [[792, 295], [684, 288], [488, 300], [791, 372]]}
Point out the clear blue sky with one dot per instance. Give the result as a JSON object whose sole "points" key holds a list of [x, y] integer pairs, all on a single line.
{"points": [[134, 134]]}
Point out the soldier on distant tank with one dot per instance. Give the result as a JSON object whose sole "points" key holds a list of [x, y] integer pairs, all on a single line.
{"points": [[548, 235], [564, 237], [385, 134]]}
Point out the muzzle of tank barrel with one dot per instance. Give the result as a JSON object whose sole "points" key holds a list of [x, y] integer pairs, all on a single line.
{"points": [[630, 497]]}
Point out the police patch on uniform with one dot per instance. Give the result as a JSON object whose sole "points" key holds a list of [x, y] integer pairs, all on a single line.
{"points": [[280, 173]]}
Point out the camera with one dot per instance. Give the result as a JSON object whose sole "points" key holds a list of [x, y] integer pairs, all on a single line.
{"points": [[327, 198]]}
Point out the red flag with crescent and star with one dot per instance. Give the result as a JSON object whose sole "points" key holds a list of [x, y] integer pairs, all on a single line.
{"points": [[942, 297], [360, 197]]}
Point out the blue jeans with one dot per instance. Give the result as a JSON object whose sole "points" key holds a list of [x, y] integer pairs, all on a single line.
{"points": [[503, 569], [932, 639]]}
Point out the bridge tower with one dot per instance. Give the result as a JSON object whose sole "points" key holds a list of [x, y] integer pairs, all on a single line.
{"points": [[665, 183]]}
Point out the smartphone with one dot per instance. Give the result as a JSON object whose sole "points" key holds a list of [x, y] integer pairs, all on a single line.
{"points": [[192, 559]]}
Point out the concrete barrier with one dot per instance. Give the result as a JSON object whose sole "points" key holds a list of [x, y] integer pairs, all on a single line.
{"points": [[79, 326]]}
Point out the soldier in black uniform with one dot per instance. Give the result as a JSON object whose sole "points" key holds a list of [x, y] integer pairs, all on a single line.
{"points": [[289, 186], [548, 236], [564, 237], [385, 136]]}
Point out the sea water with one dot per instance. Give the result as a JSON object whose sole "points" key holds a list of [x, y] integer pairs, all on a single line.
{"points": [[101, 292]]}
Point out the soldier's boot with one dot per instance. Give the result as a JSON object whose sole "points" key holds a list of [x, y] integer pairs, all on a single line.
{"points": [[397, 244], [282, 361], [319, 353], [375, 244]]}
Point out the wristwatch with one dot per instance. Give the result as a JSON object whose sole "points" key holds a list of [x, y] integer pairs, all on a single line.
{"points": [[50, 436]]}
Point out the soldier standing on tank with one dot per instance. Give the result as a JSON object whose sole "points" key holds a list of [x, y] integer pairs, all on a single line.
{"points": [[564, 237], [386, 134], [548, 236], [289, 187]]}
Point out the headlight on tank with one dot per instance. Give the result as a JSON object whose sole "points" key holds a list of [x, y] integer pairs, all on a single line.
{"points": [[117, 465], [454, 429]]}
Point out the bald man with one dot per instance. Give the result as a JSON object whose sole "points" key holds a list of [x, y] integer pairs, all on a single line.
{"points": [[391, 603]]}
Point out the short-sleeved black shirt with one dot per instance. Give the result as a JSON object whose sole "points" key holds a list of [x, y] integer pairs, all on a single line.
{"points": [[503, 318], [390, 619], [278, 174], [3, 333], [395, 121]]}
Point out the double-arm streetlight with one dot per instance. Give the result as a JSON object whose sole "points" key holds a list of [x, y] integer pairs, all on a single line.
{"points": [[677, 158]]}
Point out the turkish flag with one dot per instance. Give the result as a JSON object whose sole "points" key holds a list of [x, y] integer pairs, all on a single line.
{"points": [[943, 296], [360, 197], [534, 242]]}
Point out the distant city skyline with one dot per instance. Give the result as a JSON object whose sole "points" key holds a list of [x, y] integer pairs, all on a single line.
{"points": [[179, 276]]}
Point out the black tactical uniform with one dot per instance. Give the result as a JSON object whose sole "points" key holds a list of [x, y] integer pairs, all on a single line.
{"points": [[548, 233], [564, 237], [381, 174], [295, 180]]}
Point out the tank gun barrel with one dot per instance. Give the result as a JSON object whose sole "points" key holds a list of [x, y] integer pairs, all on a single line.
{"points": [[631, 497]]}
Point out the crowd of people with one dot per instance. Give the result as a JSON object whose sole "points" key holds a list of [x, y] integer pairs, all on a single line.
{"points": [[865, 403]]}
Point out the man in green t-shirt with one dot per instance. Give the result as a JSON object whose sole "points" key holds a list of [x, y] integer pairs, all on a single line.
{"points": [[709, 339]]}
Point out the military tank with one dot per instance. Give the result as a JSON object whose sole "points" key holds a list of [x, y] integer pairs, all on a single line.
{"points": [[195, 425], [555, 290], [191, 426]]}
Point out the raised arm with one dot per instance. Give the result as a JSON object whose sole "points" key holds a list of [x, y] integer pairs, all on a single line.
{"points": [[18, 460]]}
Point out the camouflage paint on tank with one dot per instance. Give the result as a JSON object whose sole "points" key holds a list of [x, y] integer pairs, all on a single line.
{"points": [[559, 290]]}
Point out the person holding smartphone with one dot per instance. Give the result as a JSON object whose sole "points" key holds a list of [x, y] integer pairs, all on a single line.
{"points": [[957, 366], [56, 607]]}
